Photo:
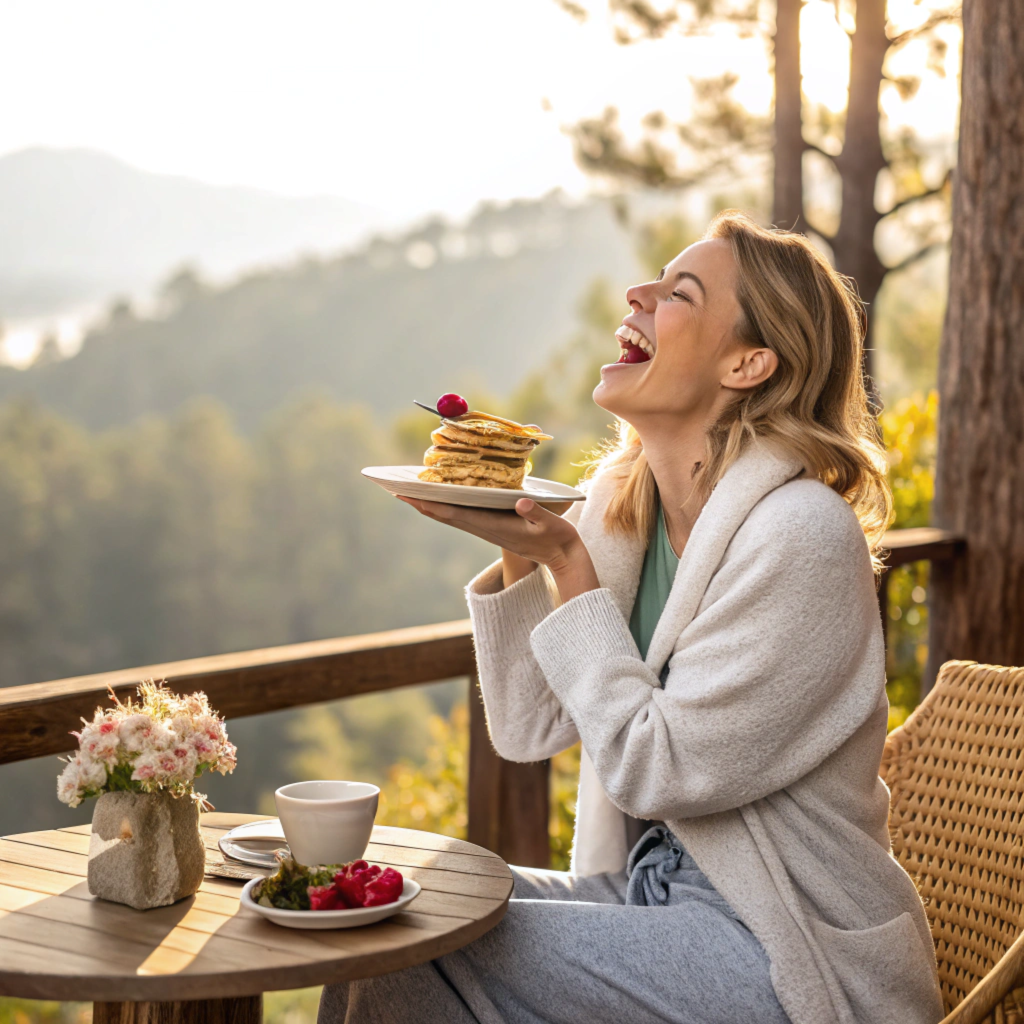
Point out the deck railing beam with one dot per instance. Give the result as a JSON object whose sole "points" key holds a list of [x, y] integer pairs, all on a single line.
{"points": [[36, 719]]}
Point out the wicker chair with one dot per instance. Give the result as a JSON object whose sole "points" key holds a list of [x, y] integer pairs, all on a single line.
{"points": [[956, 772]]}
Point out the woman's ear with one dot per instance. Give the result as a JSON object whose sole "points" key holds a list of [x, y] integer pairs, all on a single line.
{"points": [[752, 366]]}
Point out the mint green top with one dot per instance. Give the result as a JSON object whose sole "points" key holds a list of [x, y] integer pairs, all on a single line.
{"points": [[660, 564]]}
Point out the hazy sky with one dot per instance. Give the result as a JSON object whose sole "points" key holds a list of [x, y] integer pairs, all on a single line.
{"points": [[407, 105]]}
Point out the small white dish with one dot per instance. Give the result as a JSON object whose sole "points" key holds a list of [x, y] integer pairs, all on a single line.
{"points": [[327, 821], [254, 843], [323, 919], [405, 481]]}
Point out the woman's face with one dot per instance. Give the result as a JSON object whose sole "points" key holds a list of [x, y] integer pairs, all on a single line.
{"points": [[679, 352]]}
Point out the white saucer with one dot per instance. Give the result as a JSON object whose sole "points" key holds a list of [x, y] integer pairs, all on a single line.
{"points": [[321, 919], [404, 480], [254, 843]]}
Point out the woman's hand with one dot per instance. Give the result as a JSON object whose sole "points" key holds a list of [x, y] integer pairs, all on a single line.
{"points": [[531, 533]]}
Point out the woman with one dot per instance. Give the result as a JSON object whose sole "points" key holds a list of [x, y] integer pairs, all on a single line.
{"points": [[707, 625]]}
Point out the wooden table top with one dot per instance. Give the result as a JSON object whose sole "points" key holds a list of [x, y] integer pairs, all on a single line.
{"points": [[59, 942]]}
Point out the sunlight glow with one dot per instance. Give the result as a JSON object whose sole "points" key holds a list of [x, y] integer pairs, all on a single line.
{"points": [[824, 56], [407, 107]]}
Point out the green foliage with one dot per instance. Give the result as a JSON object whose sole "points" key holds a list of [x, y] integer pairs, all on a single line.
{"points": [[361, 737], [908, 327], [432, 795], [32, 1011], [297, 1006], [288, 887], [565, 774], [909, 431]]}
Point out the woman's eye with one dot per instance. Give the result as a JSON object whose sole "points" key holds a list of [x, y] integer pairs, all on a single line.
{"points": [[681, 295]]}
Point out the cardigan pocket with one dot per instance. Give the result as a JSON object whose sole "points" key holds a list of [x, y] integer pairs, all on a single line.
{"points": [[885, 971]]}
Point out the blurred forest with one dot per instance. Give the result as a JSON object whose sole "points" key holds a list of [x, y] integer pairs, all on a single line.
{"points": [[437, 308]]}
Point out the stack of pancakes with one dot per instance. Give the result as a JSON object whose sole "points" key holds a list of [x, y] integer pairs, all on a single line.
{"points": [[480, 450]]}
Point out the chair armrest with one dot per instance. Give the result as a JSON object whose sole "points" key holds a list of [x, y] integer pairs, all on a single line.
{"points": [[992, 989]]}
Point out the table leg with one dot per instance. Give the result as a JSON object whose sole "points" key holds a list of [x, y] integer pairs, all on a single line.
{"points": [[244, 1010]]}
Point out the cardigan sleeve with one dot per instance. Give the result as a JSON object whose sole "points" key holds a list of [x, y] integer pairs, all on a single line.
{"points": [[781, 664], [525, 719]]}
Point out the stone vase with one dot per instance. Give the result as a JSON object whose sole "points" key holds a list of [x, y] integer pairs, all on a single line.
{"points": [[146, 849]]}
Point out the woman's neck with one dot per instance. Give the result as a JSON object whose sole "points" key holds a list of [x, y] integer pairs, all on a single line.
{"points": [[674, 455]]}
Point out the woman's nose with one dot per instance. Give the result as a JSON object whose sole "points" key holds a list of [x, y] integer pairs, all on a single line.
{"points": [[640, 298]]}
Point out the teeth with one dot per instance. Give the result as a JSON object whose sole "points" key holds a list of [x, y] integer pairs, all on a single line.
{"points": [[634, 337]]}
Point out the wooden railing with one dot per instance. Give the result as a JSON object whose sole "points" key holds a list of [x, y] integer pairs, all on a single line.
{"points": [[508, 802], [920, 544]]}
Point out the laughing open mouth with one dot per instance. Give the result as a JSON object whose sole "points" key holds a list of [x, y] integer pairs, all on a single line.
{"points": [[635, 347]]}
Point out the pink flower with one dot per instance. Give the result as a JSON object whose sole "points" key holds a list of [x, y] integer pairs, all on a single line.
{"points": [[145, 768], [182, 726], [100, 740], [164, 738], [135, 731], [68, 785], [228, 760], [92, 773]]}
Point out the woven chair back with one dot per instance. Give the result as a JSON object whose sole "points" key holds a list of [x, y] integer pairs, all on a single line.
{"points": [[956, 772]]}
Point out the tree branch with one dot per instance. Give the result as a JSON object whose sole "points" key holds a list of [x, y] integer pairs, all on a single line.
{"points": [[936, 18], [914, 257], [814, 148], [910, 200]]}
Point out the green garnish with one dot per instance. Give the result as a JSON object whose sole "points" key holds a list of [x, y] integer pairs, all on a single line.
{"points": [[288, 889]]}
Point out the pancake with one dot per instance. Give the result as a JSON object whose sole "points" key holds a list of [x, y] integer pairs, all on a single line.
{"points": [[452, 464], [481, 450], [469, 434]]}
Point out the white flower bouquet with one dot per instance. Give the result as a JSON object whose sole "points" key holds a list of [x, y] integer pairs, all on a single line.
{"points": [[161, 744]]}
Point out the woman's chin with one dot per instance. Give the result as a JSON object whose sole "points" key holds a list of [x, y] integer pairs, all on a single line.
{"points": [[612, 392]]}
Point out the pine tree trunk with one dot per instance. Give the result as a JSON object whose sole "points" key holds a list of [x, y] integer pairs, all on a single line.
{"points": [[862, 159], [978, 602], [788, 148]]}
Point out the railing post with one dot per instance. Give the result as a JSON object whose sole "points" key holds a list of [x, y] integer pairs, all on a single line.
{"points": [[508, 801], [883, 604]]}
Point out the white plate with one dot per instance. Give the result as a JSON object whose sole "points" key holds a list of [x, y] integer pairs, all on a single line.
{"points": [[404, 480], [321, 919], [254, 842]]}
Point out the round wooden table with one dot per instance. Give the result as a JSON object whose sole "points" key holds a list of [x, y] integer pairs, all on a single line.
{"points": [[205, 959]]}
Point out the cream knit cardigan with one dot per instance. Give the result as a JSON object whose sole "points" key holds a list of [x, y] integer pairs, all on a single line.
{"points": [[761, 751]]}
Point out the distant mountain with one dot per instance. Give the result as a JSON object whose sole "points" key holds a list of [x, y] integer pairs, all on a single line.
{"points": [[441, 308], [78, 226]]}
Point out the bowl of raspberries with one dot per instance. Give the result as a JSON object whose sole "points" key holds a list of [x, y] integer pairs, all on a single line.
{"points": [[330, 895]]}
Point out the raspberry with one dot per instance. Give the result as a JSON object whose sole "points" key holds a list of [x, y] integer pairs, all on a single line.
{"points": [[351, 882], [451, 406], [324, 897], [384, 889]]}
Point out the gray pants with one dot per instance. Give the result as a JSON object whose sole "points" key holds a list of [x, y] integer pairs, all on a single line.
{"points": [[653, 943]]}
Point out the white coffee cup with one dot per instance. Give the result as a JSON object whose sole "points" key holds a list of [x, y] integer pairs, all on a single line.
{"points": [[327, 822]]}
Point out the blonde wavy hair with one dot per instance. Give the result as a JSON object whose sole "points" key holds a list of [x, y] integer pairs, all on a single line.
{"points": [[814, 406]]}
